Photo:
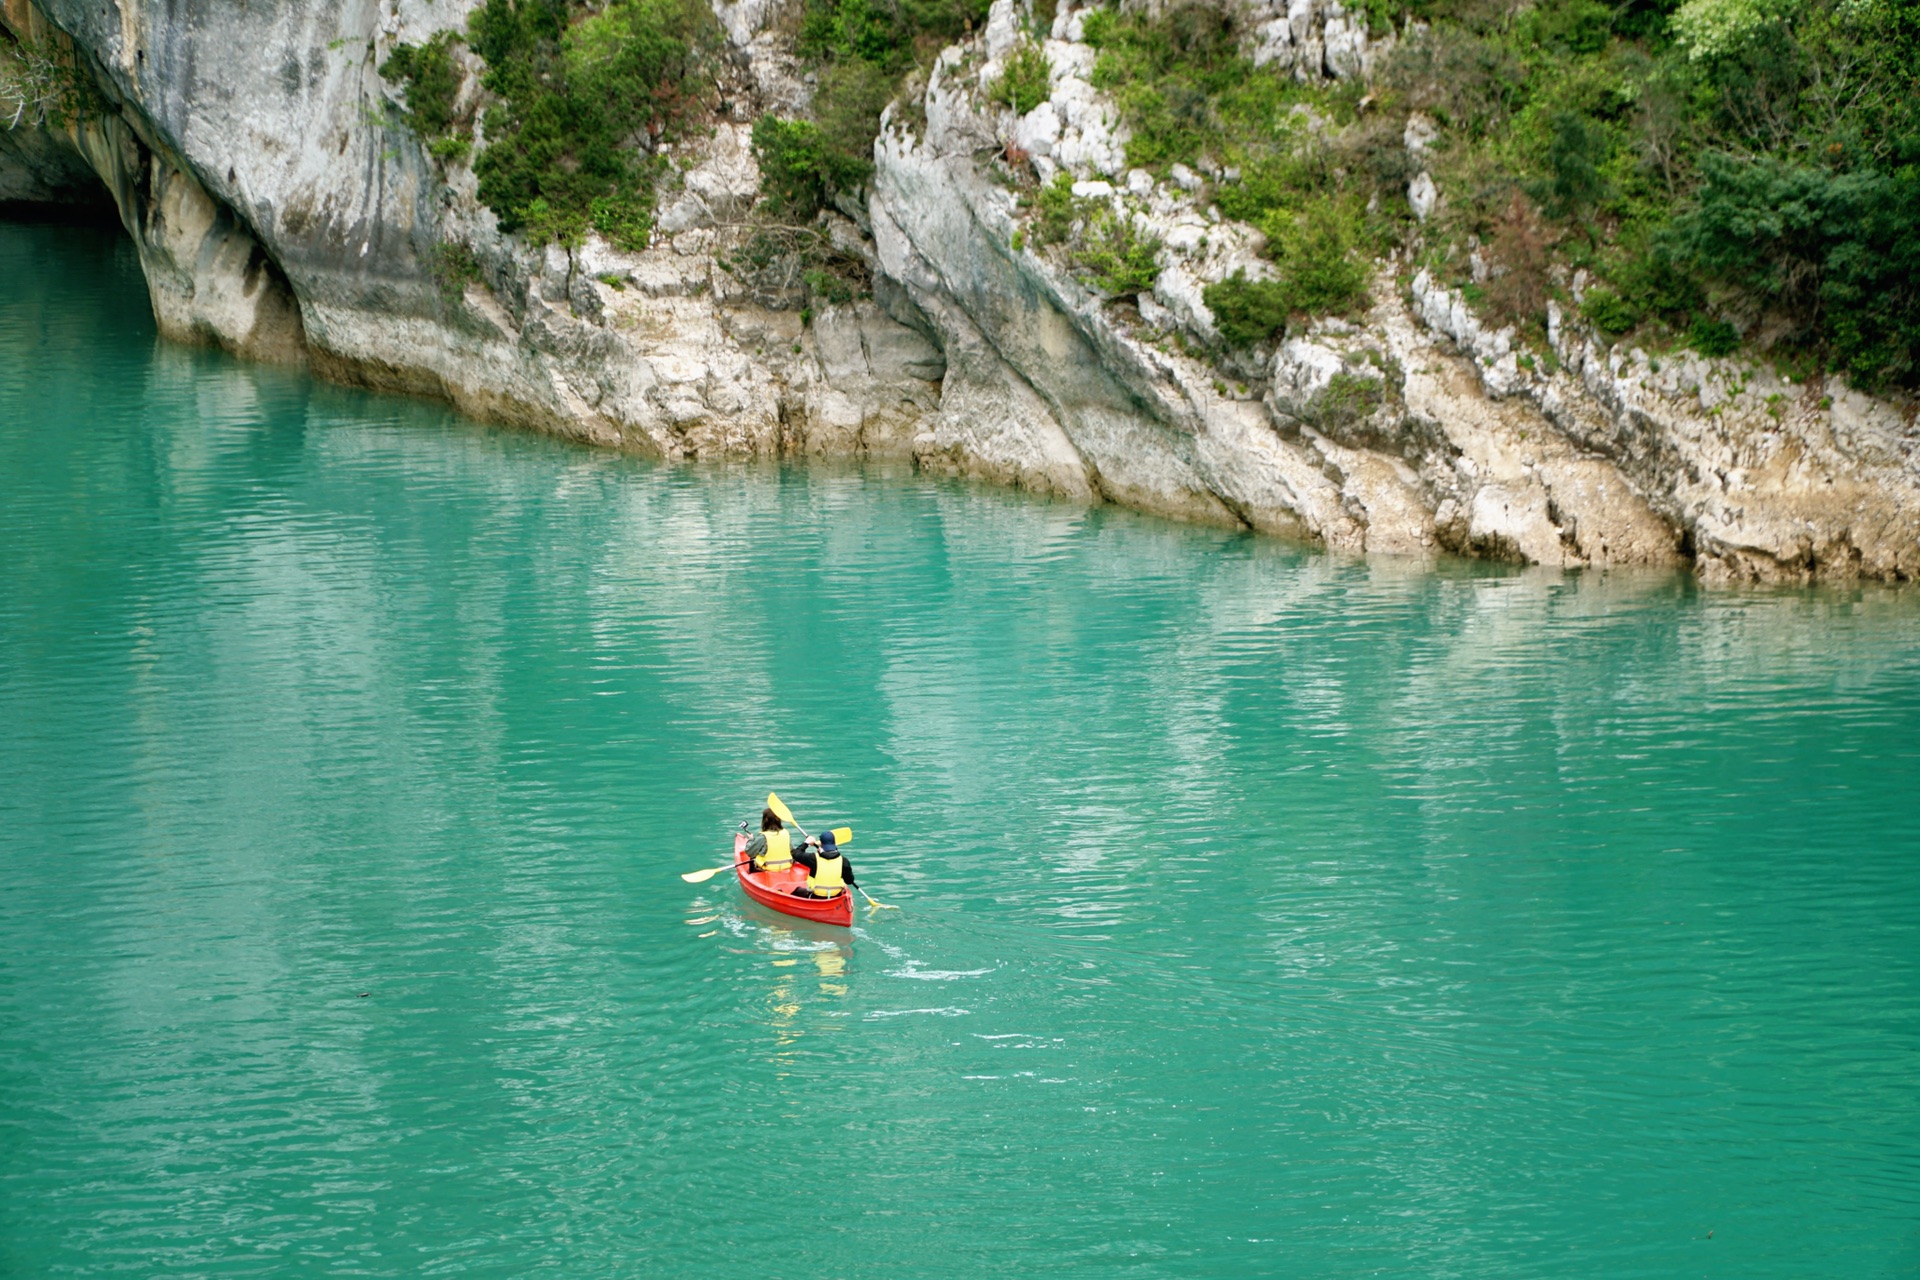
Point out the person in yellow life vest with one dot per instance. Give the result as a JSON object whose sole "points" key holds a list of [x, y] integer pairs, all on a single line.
{"points": [[829, 874], [772, 849]]}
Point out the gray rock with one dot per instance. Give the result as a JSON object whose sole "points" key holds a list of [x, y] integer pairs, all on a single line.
{"points": [[277, 214]]}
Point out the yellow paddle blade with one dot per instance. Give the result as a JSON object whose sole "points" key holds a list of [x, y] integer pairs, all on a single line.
{"points": [[843, 835], [697, 877], [779, 807]]}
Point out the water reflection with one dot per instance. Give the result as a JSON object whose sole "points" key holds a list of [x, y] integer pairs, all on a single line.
{"points": [[1266, 912]]}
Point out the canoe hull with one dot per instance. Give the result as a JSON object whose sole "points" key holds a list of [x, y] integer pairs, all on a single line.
{"points": [[775, 889]]}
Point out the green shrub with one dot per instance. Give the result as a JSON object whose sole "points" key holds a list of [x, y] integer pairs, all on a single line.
{"points": [[848, 102], [1123, 261], [1838, 250], [1317, 256], [586, 98], [1055, 210], [1346, 399], [1713, 337], [1025, 80], [1320, 273], [891, 36], [454, 267], [1573, 26], [1643, 271], [1246, 311], [1612, 314], [795, 168], [826, 286], [1185, 89], [1271, 183], [432, 82], [860, 50], [803, 163], [1576, 152], [450, 148]]}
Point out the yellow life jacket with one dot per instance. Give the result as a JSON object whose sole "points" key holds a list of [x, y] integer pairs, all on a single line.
{"points": [[779, 854], [826, 880]]}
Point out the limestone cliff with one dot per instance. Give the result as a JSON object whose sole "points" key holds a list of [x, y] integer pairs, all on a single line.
{"points": [[283, 213]]}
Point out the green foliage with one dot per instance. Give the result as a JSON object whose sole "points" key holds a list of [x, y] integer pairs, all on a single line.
{"points": [[1572, 26], [1246, 311], [1320, 272], [848, 103], [586, 99], [859, 50], [795, 169], [1317, 256], [1025, 80], [1716, 28], [1055, 210], [1102, 241], [1346, 399], [1721, 167], [1838, 251], [454, 267], [1575, 153], [1712, 337], [827, 286], [889, 34], [804, 163], [1186, 90], [450, 148], [431, 79], [1122, 260], [1610, 313]]}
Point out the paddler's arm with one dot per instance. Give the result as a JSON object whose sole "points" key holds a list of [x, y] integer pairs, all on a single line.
{"points": [[803, 856]]}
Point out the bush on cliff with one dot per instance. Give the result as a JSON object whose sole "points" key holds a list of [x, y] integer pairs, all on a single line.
{"points": [[1025, 80], [1724, 170], [1319, 272], [584, 107], [861, 50], [584, 97], [431, 83], [1716, 167]]}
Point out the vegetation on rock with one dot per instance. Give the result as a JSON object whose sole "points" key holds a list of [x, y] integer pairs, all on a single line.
{"points": [[1024, 80], [1191, 96], [861, 50], [1714, 173], [1723, 170], [44, 86], [584, 98]]}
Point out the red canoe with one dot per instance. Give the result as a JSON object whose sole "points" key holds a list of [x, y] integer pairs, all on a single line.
{"points": [[775, 889]]}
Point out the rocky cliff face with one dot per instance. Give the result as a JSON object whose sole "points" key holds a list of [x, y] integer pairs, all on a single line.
{"points": [[281, 213]]}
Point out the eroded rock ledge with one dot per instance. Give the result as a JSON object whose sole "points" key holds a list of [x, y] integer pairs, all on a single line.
{"points": [[281, 215]]}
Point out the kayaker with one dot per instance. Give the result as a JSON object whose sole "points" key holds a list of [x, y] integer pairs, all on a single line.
{"points": [[772, 848], [829, 874]]}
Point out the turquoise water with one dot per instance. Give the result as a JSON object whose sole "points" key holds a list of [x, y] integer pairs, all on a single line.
{"points": [[1262, 913]]}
